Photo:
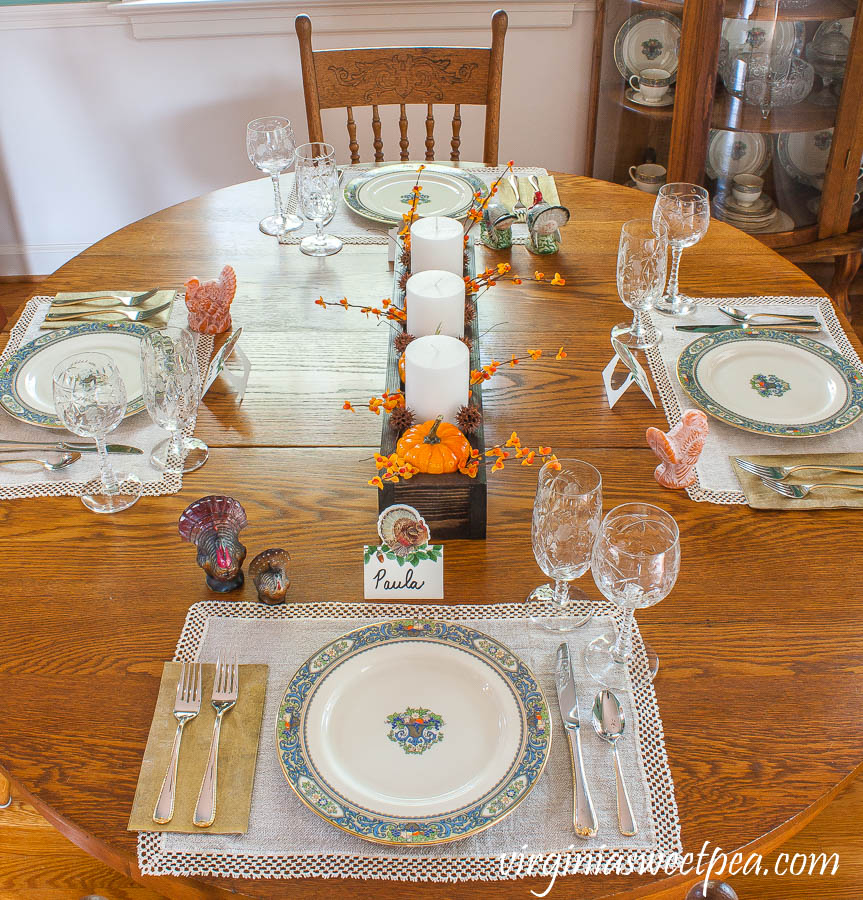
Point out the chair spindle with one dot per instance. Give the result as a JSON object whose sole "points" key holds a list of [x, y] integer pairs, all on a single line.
{"points": [[403, 129], [352, 133], [430, 132], [455, 143], [376, 129]]}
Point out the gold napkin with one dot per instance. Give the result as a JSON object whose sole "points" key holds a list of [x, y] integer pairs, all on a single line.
{"points": [[759, 496], [238, 751], [158, 321], [526, 191]]}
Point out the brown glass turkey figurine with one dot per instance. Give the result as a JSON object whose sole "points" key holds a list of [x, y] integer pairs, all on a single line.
{"points": [[213, 524], [269, 571]]}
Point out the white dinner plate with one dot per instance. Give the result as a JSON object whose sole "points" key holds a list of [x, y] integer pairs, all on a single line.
{"points": [[732, 153], [413, 732], [26, 377], [648, 40], [384, 194], [783, 37], [772, 382]]}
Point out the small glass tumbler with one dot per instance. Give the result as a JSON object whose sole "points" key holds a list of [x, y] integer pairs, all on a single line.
{"points": [[90, 399], [566, 513]]}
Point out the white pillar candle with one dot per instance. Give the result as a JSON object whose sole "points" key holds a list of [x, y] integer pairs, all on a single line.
{"points": [[437, 243], [437, 372], [435, 301]]}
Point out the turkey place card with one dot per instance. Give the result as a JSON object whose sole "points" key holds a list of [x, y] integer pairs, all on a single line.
{"points": [[404, 566]]}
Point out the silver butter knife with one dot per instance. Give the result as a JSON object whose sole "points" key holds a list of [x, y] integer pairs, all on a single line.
{"points": [[70, 445], [795, 327], [583, 813]]}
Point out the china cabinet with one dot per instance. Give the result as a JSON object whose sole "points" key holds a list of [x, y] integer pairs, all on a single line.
{"points": [[758, 101]]}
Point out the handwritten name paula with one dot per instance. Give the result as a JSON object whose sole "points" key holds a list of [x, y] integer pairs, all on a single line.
{"points": [[407, 583]]}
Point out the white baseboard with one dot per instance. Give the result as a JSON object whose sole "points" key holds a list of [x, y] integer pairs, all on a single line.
{"points": [[36, 259]]}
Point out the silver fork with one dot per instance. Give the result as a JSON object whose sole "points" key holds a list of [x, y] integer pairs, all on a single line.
{"points": [[137, 300], [138, 315], [226, 687], [778, 473], [186, 706], [518, 208], [798, 491]]}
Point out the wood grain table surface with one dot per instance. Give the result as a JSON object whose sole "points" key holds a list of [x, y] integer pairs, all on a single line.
{"points": [[761, 640]]}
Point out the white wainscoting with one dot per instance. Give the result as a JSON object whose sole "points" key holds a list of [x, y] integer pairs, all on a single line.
{"points": [[111, 111]]}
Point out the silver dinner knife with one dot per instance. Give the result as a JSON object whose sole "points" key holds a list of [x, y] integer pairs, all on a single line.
{"points": [[68, 445], [797, 327], [583, 813]]}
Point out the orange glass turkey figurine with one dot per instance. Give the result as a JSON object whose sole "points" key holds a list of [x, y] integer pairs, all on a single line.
{"points": [[679, 449], [209, 303], [269, 571]]}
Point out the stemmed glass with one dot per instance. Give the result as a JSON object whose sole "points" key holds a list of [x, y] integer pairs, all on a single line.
{"points": [[685, 211], [566, 513], [318, 189], [270, 145], [642, 259], [635, 563], [171, 382], [90, 399]]}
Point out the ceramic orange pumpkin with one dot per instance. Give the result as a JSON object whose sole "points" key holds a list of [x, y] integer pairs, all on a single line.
{"points": [[402, 368], [434, 447]]}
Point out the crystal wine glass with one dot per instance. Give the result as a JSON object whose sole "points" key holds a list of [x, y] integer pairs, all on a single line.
{"points": [[635, 563], [566, 513], [642, 258], [685, 211], [171, 382], [270, 145], [90, 399], [318, 189]]}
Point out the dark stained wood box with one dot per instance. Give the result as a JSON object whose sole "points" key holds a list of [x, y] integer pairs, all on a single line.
{"points": [[453, 505]]}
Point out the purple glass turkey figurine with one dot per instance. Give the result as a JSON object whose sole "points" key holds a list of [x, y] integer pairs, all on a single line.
{"points": [[269, 571], [213, 524]]}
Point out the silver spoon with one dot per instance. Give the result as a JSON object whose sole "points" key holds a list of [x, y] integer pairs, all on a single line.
{"points": [[67, 459], [608, 723], [738, 315]]}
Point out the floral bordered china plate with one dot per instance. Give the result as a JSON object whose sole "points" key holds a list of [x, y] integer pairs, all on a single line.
{"points": [[772, 383], [648, 40], [783, 37], [26, 377], [736, 153], [413, 732], [384, 194]]}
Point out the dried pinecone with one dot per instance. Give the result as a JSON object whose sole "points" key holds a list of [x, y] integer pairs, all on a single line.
{"points": [[467, 342], [469, 418], [465, 259], [469, 313], [401, 418], [401, 341], [403, 279], [405, 259]]}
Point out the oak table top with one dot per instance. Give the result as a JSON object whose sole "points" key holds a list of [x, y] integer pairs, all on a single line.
{"points": [[761, 640]]}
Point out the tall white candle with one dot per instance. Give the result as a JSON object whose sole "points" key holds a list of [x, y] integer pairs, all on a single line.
{"points": [[437, 243], [435, 301], [437, 372]]}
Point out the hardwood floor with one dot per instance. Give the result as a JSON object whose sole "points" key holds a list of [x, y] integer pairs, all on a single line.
{"points": [[37, 863]]}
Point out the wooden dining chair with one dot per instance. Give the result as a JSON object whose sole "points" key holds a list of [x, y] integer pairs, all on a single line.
{"points": [[403, 75]]}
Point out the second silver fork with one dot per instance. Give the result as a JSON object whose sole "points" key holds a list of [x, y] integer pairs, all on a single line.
{"points": [[778, 473], [226, 688]]}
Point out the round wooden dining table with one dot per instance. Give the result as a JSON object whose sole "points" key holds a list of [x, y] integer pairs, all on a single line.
{"points": [[761, 640]]}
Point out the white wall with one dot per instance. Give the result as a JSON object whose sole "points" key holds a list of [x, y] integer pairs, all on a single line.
{"points": [[99, 127]]}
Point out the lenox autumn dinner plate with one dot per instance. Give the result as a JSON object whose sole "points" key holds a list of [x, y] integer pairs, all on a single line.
{"points": [[772, 382], [413, 732], [648, 40], [384, 194], [26, 377]]}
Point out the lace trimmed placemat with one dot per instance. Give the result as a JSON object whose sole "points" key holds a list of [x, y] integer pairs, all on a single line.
{"points": [[716, 481], [287, 840], [354, 229], [78, 479]]}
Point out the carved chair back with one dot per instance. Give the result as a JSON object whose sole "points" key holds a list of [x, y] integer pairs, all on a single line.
{"points": [[404, 75]]}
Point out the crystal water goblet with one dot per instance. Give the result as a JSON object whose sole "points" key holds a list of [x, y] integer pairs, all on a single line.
{"points": [[270, 145], [90, 399], [642, 259], [171, 382], [684, 209], [566, 513], [318, 189], [635, 562]]}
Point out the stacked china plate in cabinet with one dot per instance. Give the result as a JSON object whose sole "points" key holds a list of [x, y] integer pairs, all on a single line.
{"points": [[758, 101]]}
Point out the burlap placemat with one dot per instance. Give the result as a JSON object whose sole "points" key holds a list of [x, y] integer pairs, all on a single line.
{"points": [[759, 496]]}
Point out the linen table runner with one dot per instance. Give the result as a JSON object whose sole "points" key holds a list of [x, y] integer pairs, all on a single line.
{"points": [[717, 482], [354, 229], [138, 430], [287, 840]]}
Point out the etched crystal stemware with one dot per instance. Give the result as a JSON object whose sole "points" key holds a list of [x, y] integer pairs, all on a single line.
{"points": [[171, 382], [270, 145], [684, 209], [566, 513], [318, 190], [90, 399], [635, 562], [642, 259]]}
